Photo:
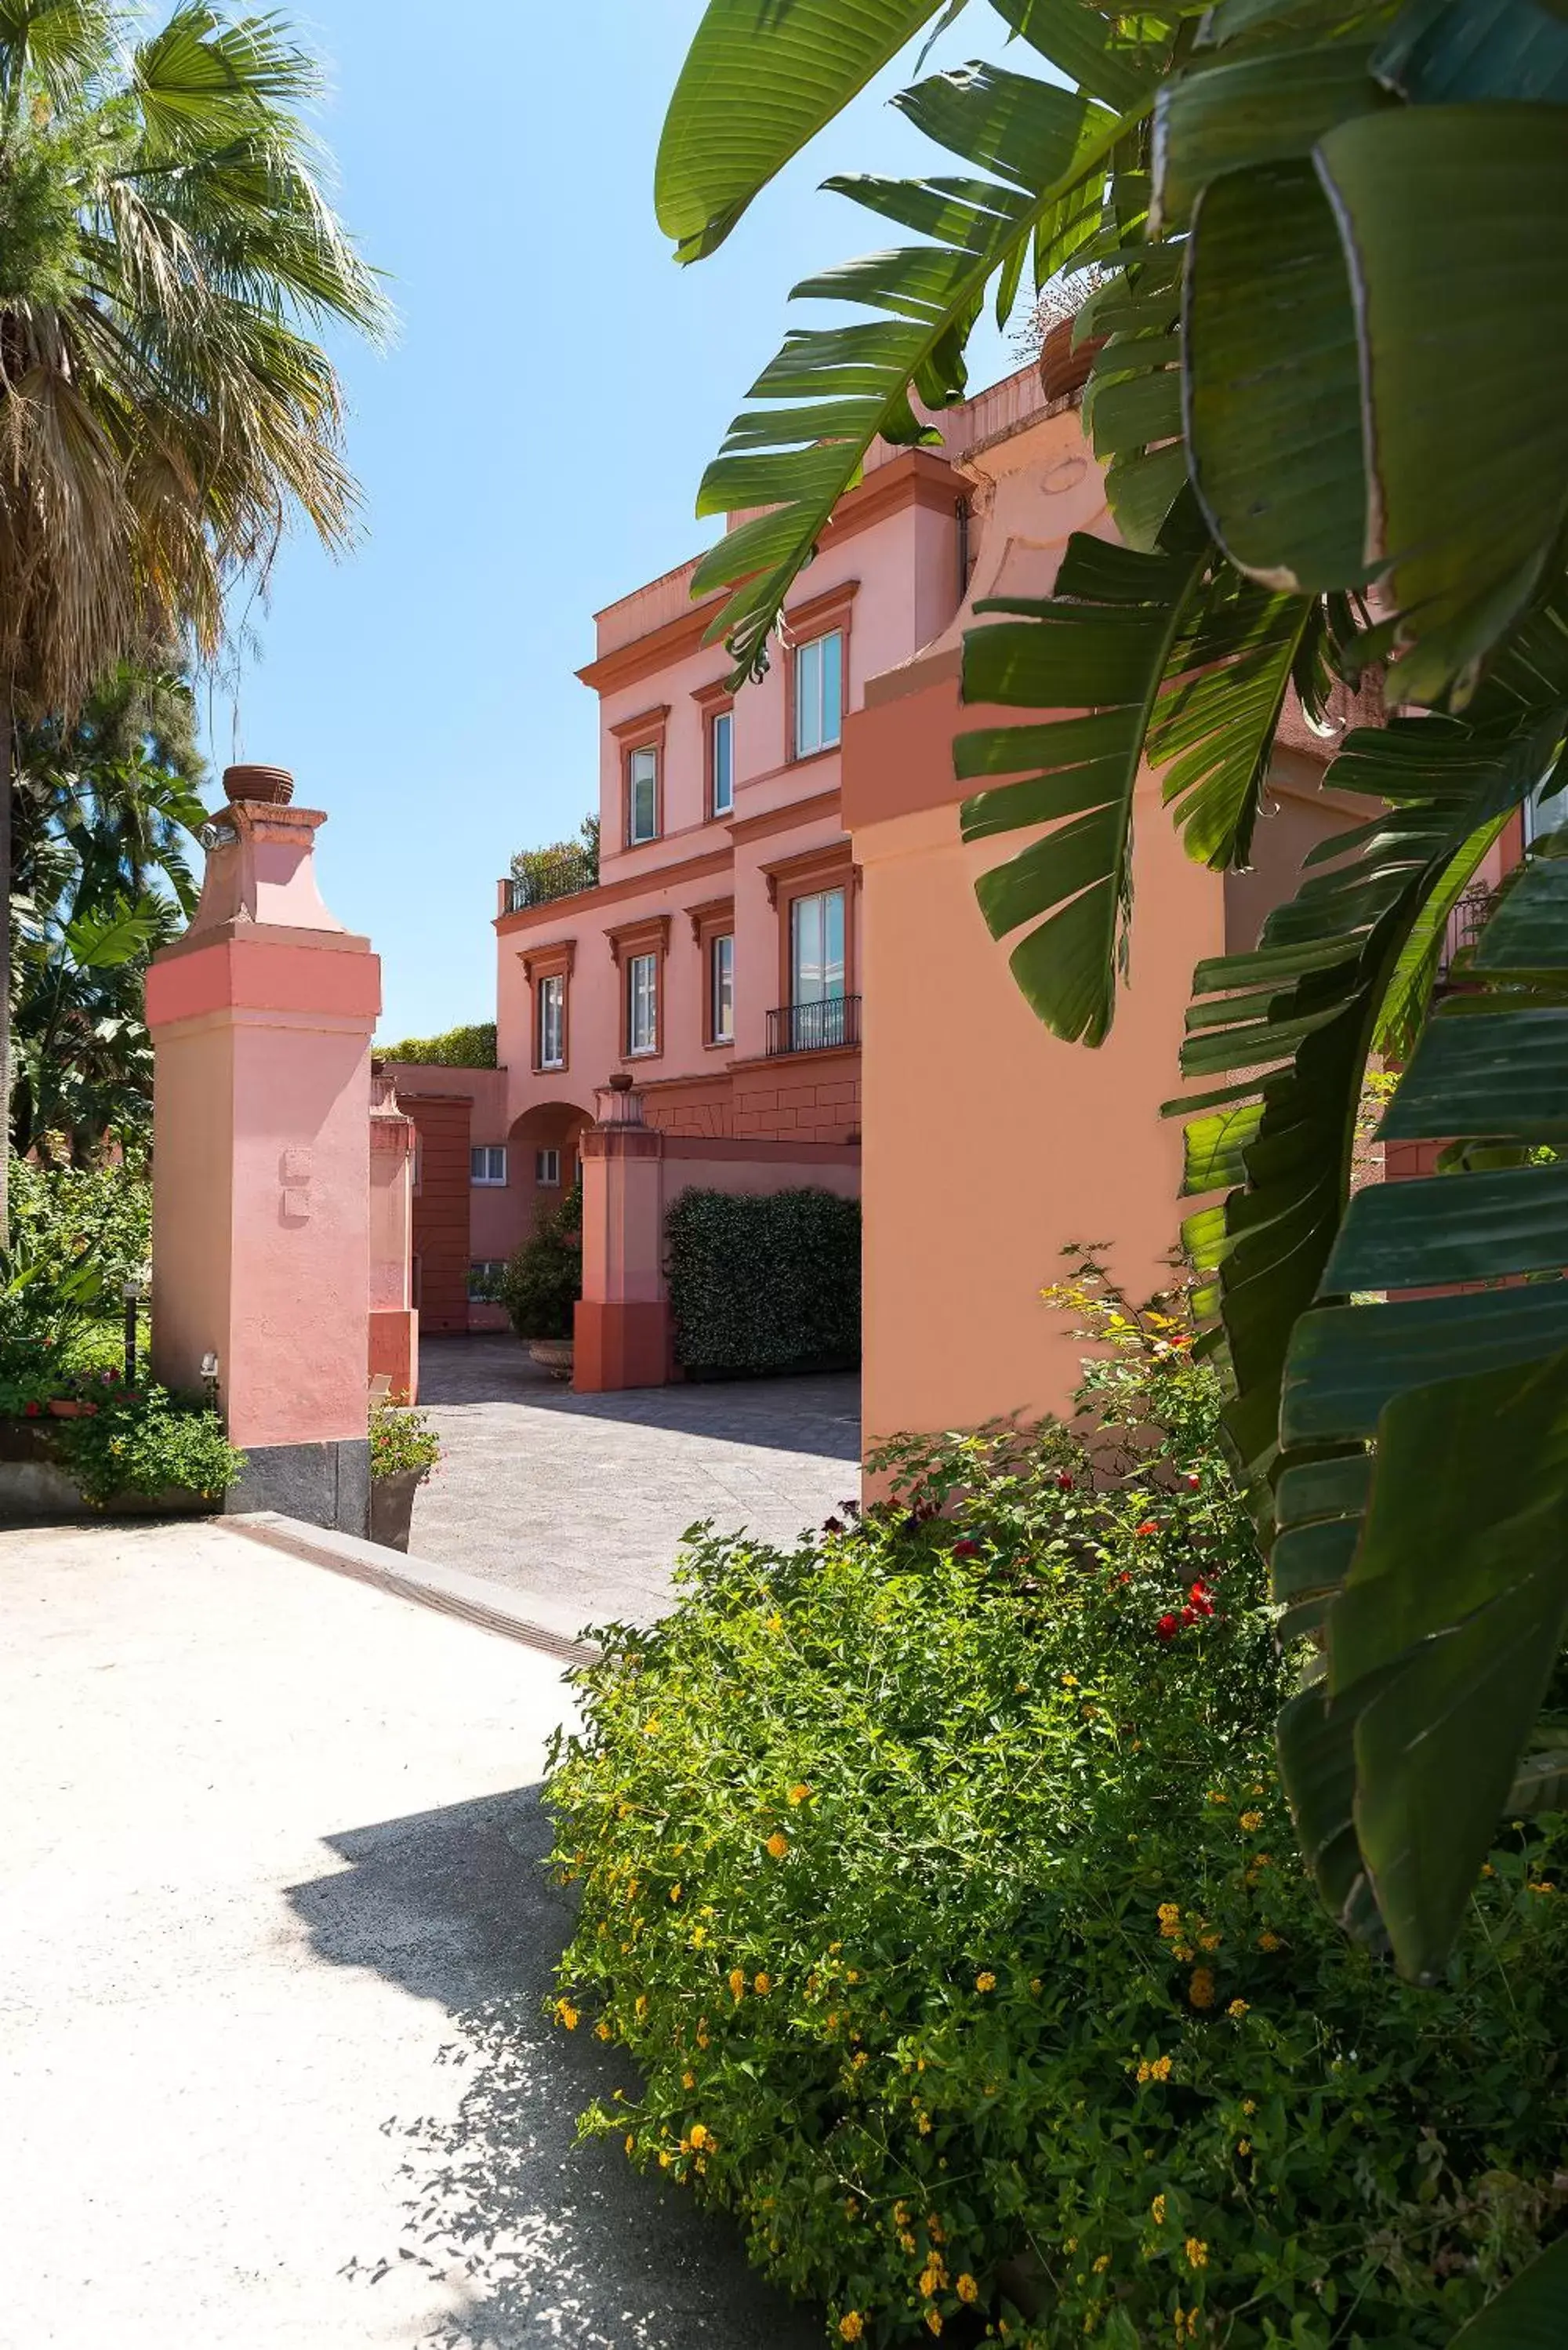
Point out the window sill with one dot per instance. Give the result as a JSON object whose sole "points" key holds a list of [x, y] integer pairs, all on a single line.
{"points": [[806, 758]]}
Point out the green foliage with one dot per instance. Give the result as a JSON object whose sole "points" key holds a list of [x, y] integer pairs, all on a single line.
{"points": [[763, 1284], [936, 1876], [401, 1439], [101, 1217], [145, 1440], [560, 870], [543, 1278], [472, 1048]]}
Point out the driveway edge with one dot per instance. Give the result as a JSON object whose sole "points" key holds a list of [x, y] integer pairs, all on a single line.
{"points": [[526, 1617]]}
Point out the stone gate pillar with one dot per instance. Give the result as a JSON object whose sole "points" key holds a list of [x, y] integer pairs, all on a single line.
{"points": [[394, 1322], [261, 1019], [622, 1326]]}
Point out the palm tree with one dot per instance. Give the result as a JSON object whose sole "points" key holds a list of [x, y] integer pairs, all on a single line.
{"points": [[166, 251]]}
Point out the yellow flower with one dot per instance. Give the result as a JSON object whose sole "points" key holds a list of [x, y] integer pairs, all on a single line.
{"points": [[702, 2037], [932, 2277], [1156, 2210], [966, 2288], [567, 2013], [1251, 1821], [852, 1974], [1200, 1990], [651, 1728], [1035, 1985], [1210, 1941], [1196, 2252], [700, 2136], [900, 2215], [1069, 2244], [923, 2123], [778, 1843], [1237, 2010], [934, 2320], [1160, 2069], [775, 1623], [1102, 2264], [1069, 1681], [799, 1794], [906, 2241], [698, 1936], [1216, 1797], [1183, 1951], [1244, 2146], [664, 2157], [1248, 2106], [762, 1985], [601, 2030], [630, 2141], [737, 1983], [1142, 2074], [986, 1981], [674, 1893], [1269, 1942], [859, 2056], [852, 2326], [1169, 1919], [641, 2004]]}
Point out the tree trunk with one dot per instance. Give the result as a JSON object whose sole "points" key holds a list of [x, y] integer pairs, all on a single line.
{"points": [[6, 741]]}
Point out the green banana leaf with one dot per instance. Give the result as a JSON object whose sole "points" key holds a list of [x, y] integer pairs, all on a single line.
{"points": [[761, 79]]}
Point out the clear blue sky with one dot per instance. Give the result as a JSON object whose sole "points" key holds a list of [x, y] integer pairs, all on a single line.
{"points": [[530, 447]]}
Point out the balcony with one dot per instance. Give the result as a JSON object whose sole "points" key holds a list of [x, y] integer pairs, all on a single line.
{"points": [[560, 878], [815, 1027]]}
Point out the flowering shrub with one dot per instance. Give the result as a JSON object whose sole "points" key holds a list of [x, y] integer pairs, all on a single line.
{"points": [[401, 1439], [145, 1440], [937, 1876]]}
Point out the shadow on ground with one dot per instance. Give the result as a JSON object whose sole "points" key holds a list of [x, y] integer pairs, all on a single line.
{"points": [[540, 2242], [819, 1411]]}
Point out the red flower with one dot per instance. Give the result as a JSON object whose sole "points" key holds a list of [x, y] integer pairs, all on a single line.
{"points": [[1149, 1526], [1193, 1483], [1125, 1576], [1064, 1481], [1201, 1602], [1189, 1615], [966, 1550], [1166, 1627], [33, 1409]]}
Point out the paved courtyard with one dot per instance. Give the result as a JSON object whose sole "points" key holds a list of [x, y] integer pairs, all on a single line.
{"points": [[274, 1949], [586, 1497]]}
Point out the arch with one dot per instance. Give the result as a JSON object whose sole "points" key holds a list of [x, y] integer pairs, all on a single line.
{"points": [[547, 1127]]}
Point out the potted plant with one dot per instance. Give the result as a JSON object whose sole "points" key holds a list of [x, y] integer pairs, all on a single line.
{"points": [[543, 1281], [404, 1449]]}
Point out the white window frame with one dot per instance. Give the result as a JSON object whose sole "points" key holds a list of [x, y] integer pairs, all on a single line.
{"points": [[641, 1005], [819, 694], [641, 773], [722, 986], [486, 1268], [721, 729], [487, 1166], [827, 991], [550, 1012], [548, 1166]]}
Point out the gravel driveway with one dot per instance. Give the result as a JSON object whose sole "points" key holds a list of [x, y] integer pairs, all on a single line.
{"points": [[586, 1497]]}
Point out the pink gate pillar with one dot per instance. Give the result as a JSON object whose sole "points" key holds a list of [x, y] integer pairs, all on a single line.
{"points": [[394, 1324], [260, 1018], [622, 1326]]}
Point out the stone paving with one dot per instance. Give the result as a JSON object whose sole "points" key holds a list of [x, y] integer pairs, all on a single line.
{"points": [[585, 1498], [275, 1946]]}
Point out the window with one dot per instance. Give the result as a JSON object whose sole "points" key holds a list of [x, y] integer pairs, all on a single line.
{"points": [[818, 692], [485, 1280], [816, 948], [721, 760], [721, 989], [642, 1003], [550, 1030], [642, 795], [548, 1166], [487, 1163]]}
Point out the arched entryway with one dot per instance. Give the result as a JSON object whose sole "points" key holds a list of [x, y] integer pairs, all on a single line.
{"points": [[542, 1147]]}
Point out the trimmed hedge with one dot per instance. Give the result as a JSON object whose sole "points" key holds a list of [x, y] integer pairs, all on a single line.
{"points": [[769, 1284], [472, 1047]]}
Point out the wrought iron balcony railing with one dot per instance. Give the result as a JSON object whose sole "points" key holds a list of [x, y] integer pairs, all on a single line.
{"points": [[815, 1027]]}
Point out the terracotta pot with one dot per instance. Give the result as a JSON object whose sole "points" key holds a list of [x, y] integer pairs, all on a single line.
{"points": [[553, 1355], [1063, 369], [274, 785], [63, 1407], [392, 1507]]}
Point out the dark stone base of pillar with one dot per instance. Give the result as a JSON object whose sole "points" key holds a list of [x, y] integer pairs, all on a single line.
{"points": [[323, 1484]]}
